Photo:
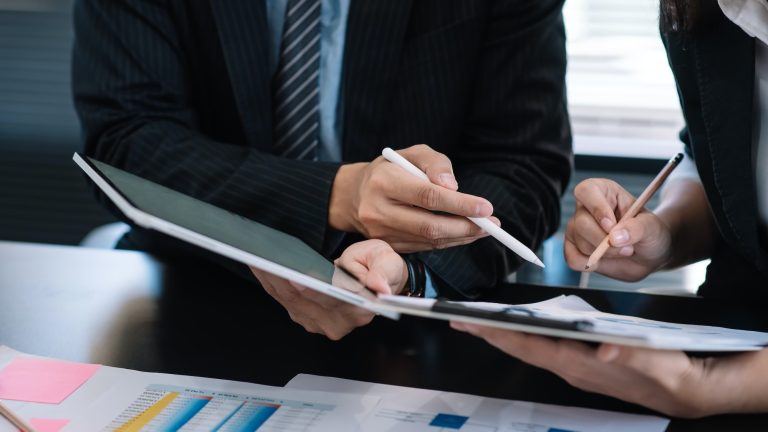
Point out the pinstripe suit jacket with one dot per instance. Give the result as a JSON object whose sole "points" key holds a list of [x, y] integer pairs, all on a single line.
{"points": [[178, 92]]}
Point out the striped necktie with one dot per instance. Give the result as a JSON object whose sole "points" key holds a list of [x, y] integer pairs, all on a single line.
{"points": [[295, 88]]}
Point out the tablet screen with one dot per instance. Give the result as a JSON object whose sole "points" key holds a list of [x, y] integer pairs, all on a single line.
{"points": [[218, 224]]}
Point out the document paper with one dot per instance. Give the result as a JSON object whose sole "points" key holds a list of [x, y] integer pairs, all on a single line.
{"points": [[125, 400], [606, 327], [405, 409]]}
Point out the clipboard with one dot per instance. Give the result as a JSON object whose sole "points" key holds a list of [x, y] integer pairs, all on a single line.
{"points": [[155, 207], [512, 314]]}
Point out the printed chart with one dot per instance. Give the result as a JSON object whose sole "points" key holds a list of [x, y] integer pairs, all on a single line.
{"points": [[162, 408], [388, 418], [392, 419], [405, 409]]}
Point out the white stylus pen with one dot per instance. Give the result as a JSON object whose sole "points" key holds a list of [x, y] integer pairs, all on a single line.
{"points": [[486, 224]]}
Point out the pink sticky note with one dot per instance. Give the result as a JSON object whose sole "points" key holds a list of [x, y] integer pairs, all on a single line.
{"points": [[42, 380], [48, 425]]}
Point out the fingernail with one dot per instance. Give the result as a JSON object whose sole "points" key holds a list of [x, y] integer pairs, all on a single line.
{"points": [[607, 224], [620, 237], [484, 209], [626, 251], [608, 354], [300, 288], [448, 181]]}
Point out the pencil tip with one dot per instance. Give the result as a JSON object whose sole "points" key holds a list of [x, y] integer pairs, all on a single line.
{"points": [[586, 267]]}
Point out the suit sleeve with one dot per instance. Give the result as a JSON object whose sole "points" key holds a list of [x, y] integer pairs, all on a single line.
{"points": [[131, 93], [517, 145]]}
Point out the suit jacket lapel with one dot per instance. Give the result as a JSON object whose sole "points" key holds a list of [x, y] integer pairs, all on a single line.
{"points": [[243, 31], [374, 40], [725, 71]]}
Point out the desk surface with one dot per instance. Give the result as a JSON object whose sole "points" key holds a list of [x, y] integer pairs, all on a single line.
{"points": [[125, 309]]}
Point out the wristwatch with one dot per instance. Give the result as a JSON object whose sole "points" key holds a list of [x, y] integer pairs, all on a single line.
{"points": [[417, 277]]}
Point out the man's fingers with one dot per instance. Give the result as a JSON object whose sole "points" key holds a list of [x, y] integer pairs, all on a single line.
{"points": [[355, 268], [364, 261], [413, 191], [407, 246], [387, 269], [318, 298], [263, 280], [378, 282], [436, 165], [316, 312], [305, 322], [433, 228]]}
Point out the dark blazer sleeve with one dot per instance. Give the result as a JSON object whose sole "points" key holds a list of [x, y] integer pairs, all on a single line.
{"points": [[131, 91], [516, 151]]}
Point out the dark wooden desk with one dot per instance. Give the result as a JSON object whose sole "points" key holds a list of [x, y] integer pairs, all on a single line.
{"points": [[125, 309]]}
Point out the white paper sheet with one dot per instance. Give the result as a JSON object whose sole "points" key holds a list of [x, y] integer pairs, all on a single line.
{"points": [[115, 396], [405, 409]]}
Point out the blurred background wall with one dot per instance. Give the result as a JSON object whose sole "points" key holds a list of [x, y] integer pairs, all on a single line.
{"points": [[43, 197]]}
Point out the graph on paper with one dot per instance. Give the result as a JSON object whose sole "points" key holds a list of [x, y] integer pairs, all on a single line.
{"points": [[393, 419], [163, 408]]}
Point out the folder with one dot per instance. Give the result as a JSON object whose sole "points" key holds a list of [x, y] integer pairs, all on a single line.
{"points": [[155, 207]]}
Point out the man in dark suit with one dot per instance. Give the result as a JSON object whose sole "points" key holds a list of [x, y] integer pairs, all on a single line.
{"points": [[278, 111]]}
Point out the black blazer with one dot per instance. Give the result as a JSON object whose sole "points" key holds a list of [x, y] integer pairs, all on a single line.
{"points": [[178, 91], [714, 67]]}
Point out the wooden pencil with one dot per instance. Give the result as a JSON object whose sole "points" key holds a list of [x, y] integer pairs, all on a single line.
{"points": [[635, 208], [15, 419]]}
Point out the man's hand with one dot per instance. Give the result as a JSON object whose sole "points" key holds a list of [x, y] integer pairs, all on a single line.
{"points": [[639, 246], [372, 262], [316, 312], [376, 265], [382, 201], [666, 381]]}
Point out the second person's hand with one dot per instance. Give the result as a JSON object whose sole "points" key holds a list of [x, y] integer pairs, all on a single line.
{"points": [[639, 246], [664, 380], [382, 201]]}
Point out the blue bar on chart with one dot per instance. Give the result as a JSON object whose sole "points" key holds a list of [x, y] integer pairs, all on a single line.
{"points": [[188, 408], [162, 408], [449, 421], [249, 418]]}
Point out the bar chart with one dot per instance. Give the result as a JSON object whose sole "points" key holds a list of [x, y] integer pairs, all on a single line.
{"points": [[162, 408]]}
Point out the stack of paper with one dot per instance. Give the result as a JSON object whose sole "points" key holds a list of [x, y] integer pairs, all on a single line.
{"points": [[84, 398], [53, 395]]}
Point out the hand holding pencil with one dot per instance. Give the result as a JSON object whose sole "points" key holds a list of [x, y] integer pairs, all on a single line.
{"points": [[611, 231]]}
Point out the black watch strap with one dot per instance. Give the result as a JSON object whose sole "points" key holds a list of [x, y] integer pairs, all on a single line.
{"points": [[417, 277]]}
